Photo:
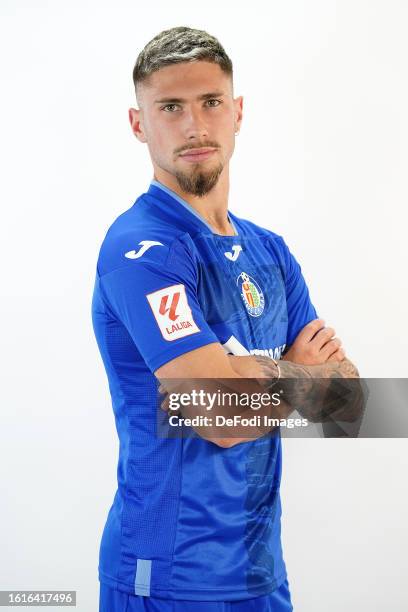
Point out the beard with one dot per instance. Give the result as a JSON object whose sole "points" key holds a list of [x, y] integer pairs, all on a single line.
{"points": [[199, 182]]}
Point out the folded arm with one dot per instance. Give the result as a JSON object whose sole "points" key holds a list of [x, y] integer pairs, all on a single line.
{"points": [[310, 386]]}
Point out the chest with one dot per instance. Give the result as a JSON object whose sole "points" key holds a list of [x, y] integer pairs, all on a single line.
{"points": [[241, 290]]}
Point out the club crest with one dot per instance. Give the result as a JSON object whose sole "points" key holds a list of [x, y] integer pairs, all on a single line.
{"points": [[251, 294]]}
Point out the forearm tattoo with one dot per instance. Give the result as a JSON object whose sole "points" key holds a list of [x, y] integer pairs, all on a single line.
{"points": [[322, 393]]}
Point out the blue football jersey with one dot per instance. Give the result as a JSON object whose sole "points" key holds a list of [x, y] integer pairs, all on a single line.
{"points": [[190, 520]]}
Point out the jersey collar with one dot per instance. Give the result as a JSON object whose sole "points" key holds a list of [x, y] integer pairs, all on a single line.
{"points": [[183, 208]]}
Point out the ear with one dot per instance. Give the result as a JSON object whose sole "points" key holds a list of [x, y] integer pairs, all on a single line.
{"points": [[238, 108], [136, 124]]}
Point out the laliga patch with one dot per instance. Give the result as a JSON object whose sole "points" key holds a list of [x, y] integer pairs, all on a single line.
{"points": [[172, 312], [251, 294]]}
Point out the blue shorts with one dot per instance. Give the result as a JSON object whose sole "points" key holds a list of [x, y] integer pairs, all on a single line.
{"points": [[112, 600]]}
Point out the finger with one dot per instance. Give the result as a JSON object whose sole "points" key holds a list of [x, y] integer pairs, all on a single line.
{"points": [[339, 355], [322, 337], [165, 404], [310, 330], [329, 348]]}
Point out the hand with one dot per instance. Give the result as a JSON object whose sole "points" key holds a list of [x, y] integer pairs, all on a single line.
{"points": [[315, 345], [166, 389]]}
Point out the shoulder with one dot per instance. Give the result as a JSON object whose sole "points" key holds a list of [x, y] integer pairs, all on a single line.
{"points": [[250, 229], [136, 235], [273, 242]]}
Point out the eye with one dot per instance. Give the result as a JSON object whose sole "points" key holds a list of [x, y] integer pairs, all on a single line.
{"points": [[170, 108], [213, 102]]}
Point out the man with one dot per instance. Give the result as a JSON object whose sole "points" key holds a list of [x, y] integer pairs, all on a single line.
{"points": [[186, 289]]}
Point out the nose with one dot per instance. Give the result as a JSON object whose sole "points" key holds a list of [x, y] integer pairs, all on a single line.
{"points": [[195, 127]]}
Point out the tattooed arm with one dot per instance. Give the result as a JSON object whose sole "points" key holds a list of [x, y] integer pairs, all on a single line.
{"points": [[317, 379], [326, 392], [319, 385]]}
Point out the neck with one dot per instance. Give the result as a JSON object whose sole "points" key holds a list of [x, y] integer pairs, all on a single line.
{"points": [[213, 206]]}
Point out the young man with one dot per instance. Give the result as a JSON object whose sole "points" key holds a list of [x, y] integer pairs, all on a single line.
{"points": [[186, 289]]}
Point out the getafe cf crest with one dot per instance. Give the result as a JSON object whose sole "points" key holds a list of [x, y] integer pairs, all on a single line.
{"points": [[251, 294]]}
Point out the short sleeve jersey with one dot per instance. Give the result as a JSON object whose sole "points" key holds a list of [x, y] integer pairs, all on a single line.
{"points": [[190, 520]]}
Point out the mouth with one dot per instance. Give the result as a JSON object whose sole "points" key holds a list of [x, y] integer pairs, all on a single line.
{"points": [[197, 155]]}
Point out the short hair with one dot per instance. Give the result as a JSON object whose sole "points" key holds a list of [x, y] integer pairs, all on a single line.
{"points": [[177, 45]]}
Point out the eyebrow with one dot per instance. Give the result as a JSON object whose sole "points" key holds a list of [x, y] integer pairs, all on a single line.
{"points": [[206, 96]]}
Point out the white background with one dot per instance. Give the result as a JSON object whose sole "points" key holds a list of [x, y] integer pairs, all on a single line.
{"points": [[321, 159]]}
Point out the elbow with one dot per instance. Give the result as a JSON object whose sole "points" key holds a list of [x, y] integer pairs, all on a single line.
{"points": [[224, 442], [227, 442]]}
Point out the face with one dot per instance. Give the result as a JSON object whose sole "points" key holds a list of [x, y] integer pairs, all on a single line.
{"points": [[188, 118]]}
